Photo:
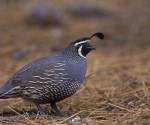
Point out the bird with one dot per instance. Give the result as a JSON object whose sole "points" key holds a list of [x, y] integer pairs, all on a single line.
{"points": [[51, 79]]}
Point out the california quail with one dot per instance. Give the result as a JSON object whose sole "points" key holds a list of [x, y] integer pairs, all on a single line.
{"points": [[53, 78]]}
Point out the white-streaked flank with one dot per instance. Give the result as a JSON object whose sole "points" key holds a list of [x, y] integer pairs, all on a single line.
{"points": [[81, 42], [80, 52], [15, 88]]}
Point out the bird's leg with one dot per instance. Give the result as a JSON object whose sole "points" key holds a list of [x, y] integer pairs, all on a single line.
{"points": [[40, 110], [56, 111]]}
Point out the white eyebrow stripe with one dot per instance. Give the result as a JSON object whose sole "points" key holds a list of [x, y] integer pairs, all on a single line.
{"points": [[85, 41]]}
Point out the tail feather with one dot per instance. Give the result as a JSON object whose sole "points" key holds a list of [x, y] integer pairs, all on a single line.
{"points": [[8, 92], [5, 90], [2, 93]]}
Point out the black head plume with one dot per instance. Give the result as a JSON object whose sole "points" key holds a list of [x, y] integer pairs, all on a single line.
{"points": [[82, 46], [98, 35], [81, 40]]}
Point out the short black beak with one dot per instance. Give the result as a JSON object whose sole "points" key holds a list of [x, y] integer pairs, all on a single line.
{"points": [[91, 47]]}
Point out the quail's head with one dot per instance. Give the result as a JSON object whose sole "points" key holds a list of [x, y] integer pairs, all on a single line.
{"points": [[83, 46]]}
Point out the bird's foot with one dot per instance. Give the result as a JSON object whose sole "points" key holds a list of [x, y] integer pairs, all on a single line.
{"points": [[41, 112], [57, 112]]}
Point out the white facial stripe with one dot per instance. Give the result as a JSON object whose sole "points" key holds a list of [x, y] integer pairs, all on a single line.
{"points": [[80, 52], [81, 42]]}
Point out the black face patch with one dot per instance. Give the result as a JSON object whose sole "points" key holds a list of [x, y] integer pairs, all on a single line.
{"points": [[86, 48]]}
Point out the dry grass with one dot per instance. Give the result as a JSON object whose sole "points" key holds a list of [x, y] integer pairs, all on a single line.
{"points": [[116, 90]]}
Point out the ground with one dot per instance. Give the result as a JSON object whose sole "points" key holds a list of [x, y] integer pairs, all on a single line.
{"points": [[116, 89]]}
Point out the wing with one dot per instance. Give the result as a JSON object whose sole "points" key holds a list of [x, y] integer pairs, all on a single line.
{"points": [[43, 71]]}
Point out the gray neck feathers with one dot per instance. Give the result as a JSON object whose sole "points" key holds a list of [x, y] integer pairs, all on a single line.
{"points": [[72, 53]]}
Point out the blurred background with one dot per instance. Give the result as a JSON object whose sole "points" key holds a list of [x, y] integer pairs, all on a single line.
{"points": [[117, 86]]}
